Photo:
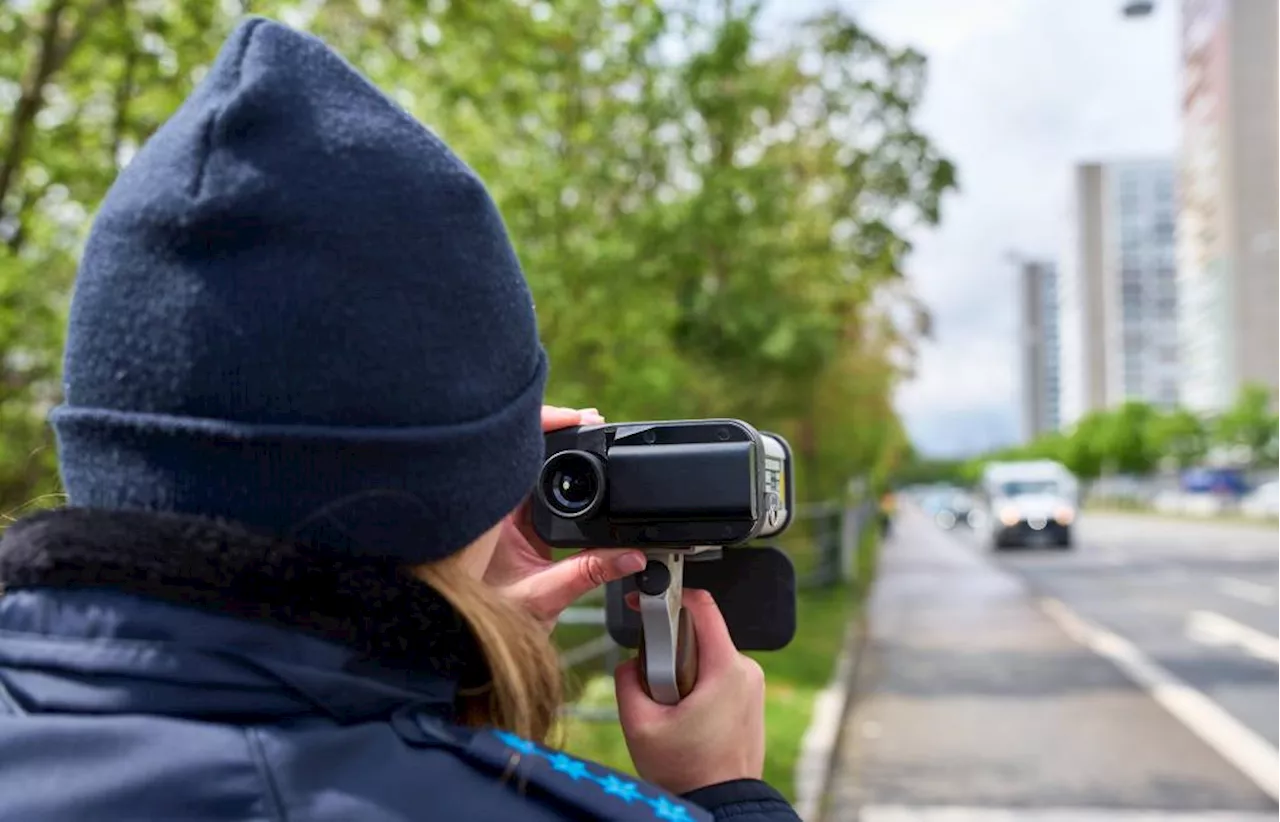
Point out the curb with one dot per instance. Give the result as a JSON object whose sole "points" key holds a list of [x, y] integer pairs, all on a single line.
{"points": [[821, 739]]}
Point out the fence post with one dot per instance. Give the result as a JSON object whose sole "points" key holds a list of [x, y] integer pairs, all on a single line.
{"points": [[850, 528], [852, 521]]}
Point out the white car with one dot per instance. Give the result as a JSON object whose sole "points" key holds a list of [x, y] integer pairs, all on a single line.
{"points": [[1029, 503]]}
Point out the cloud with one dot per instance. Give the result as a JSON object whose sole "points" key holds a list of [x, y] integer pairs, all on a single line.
{"points": [[1019, 91]]}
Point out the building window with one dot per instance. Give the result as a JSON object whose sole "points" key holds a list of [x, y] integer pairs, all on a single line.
{"points": [[1129, 192]]}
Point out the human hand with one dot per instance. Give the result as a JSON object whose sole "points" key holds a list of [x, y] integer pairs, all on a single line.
{"points": [[522, 566], [713, 735]]}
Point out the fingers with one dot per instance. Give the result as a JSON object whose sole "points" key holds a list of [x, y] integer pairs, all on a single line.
{"points": [[559, 586], [635, 708], [555, 418], [715, 647], [522, 539]]}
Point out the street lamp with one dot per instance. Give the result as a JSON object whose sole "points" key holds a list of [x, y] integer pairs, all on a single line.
{"points": [[1138, 8]]}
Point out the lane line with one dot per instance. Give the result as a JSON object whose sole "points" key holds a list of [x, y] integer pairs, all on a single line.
{"points": [[1254, 592], [1215, 630], [946, 813], [1249, 753]]}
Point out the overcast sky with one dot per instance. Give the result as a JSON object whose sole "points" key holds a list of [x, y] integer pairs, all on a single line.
{"points": [[1019, 91]]}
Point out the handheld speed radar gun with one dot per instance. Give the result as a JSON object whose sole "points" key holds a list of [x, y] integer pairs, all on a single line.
{"points": [[683, 492]]}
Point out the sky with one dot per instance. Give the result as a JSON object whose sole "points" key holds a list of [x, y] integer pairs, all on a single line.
{"points": [[1019, 91]]}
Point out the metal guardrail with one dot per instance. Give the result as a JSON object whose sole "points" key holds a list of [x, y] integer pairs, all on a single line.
{"points": [[601, 646]]}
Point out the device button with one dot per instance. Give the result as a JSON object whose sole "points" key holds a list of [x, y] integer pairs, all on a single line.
{"points": [[654, 579]]}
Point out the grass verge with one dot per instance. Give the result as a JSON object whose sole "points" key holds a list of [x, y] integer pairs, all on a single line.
{"points": [[794, 675]]}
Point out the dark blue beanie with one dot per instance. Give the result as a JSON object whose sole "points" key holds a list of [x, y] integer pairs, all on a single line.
{"points": [[298, 310]]}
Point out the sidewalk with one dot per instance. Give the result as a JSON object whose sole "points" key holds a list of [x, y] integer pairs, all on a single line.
{"points": [[970, 698]]}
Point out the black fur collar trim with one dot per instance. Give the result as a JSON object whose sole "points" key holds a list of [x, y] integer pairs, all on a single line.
{"points": [[372, 606]]}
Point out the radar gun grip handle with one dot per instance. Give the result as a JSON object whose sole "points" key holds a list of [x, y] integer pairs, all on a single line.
{"points": [[686, 658]]}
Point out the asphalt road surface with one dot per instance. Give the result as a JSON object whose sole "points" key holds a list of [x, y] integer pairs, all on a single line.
{"points": [[1133, 678]]}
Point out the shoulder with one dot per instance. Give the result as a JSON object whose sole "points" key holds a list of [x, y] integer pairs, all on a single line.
{"points": [[585, 785], [395, 770]]}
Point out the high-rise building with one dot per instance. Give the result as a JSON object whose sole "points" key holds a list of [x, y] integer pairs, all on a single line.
{"points": [[1038, 310], [1227, 247], [1118, 290]]}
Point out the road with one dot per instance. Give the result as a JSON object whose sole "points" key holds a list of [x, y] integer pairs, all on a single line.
{"points": [[1133, 678]]}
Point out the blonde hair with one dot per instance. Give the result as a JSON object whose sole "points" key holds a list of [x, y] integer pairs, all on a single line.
{"points": [[525, 690]]}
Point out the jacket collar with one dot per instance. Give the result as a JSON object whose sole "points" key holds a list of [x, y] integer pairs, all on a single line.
{"points": [[206, 612]]}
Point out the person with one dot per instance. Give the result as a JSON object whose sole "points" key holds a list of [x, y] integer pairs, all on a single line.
{"points": [[888, 506], [303, 398]]}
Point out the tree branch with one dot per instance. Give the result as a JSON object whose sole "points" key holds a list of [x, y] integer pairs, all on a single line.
{"points": [[27, 200], [66, 47], [31, 99], [124, 90], [52, 54]]}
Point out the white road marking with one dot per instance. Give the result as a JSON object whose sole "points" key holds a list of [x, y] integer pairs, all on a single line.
{"points": [[1254, 592], [1209, 628], [906, 813], [1249, 753]]}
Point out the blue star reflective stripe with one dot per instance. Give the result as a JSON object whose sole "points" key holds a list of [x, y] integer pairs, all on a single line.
{"points": [[626, 790], [621, 788]]}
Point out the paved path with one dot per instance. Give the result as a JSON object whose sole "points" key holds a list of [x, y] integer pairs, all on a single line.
{"points": [[976, 704]]}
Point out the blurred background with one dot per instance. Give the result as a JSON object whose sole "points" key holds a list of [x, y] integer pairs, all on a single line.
{"points": [[1004, 272]]}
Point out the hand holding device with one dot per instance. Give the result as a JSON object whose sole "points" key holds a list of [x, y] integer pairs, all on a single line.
{"points": [[681, 491], [716, 733]]}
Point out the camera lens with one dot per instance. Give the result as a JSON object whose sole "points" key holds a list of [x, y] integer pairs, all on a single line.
{"points": [[572, 483]]}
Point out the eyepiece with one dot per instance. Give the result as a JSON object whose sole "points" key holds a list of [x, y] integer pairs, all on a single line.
{"points": [[571, 484]]}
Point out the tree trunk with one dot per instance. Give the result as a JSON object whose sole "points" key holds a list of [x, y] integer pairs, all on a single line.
{"points": [[31, 100], [51, 55]]}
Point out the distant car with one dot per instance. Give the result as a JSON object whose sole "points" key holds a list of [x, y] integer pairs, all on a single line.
{"points": [[948, 506], [1222, 481], [1029, 503], [1262, 502]]}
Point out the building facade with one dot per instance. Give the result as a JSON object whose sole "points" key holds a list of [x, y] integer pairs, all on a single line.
{"points": [[1227, 248], [1118, 295], [1038, 313]]}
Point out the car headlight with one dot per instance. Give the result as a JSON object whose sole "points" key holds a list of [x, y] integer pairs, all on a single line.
{"points": [[1010, 516], [1064, 515]]}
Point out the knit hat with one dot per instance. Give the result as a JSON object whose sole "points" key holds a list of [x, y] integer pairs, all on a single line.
{"points": [[299, 310]]}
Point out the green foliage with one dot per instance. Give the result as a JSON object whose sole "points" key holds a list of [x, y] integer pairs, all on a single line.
{"points": [[1250, 425], [1137, 438], [712, 223], [1182, 436], [1127, 442]]}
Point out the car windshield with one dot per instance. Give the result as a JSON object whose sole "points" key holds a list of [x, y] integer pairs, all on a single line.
{"points": [[1023, 487]]}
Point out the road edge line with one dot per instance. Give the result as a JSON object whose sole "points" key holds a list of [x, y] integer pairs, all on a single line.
{"points": [[1249, 753], [815, 762]]}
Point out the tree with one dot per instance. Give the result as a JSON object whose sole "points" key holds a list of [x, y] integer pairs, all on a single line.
{"points": [[1127, 441], [1182, 437], [1083, 453], [1250, 425], [713, 230]]}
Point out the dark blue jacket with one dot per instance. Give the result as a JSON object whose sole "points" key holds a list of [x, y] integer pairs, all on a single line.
{"points": [[132, 686]]}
